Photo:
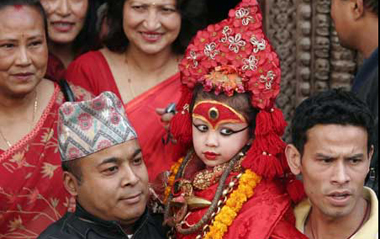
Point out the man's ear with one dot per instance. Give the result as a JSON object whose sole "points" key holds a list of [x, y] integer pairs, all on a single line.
{"points": [[357, 8], [71, 183], [293, 157]]}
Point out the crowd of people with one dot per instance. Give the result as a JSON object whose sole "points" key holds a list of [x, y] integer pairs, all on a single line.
{"points": [[90, 149]]}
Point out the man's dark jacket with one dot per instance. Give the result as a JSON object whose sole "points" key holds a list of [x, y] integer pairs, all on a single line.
{"points": [[366, 87], [81, 224]]}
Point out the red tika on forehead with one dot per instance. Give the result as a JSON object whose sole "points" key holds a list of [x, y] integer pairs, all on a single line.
{"points": [[18, 7], [216, 113]]}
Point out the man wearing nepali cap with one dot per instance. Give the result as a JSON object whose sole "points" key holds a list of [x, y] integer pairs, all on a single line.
{"points": [[104, 170]]}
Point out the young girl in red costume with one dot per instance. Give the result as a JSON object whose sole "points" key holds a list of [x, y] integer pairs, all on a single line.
{"points": [[232, 180]]}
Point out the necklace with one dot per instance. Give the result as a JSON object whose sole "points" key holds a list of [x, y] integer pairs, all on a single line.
{"points": [[129, 81], [367, 211], [135, 90], [31, 124], [207, 177]]}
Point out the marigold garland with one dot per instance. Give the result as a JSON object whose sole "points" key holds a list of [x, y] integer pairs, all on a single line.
{"points": [[234, 203], [173, 172]]}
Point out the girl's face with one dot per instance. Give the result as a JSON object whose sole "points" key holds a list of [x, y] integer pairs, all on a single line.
{"points": [[151, 26], [65, 19], [219, 132]]}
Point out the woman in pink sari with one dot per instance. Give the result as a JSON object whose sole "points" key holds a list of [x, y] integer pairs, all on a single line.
{"points": [[146, 40], [32, 195]]}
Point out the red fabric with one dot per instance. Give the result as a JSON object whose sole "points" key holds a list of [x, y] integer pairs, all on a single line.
{"points": [[32, 195], [92, 72], [267, 215], [55, 69]]}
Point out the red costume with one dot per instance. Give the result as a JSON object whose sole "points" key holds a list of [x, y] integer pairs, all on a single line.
{"points": [[267, 215], [251, 195], [92, 72], [32, 195]]}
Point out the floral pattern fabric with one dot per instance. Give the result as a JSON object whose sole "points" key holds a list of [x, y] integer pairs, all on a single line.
{"points": [[32, 195]]}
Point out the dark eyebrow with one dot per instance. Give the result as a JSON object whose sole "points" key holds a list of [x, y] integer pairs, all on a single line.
{"points": [[115, 160], [137, 151], [359, 155], [108, 160], [321, 155], [8, 39], [36, 37]]}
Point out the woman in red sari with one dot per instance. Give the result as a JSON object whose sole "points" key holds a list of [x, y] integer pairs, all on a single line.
{"points": [[32, 195], [139, 64]]}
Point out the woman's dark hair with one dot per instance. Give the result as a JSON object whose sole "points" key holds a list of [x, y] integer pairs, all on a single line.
{"points": [[335, 106], [32, 3], [239, 101], [192, 19], [88, 37]]}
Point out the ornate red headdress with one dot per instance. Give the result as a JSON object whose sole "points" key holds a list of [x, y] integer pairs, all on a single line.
{"points": [[235, 56]]}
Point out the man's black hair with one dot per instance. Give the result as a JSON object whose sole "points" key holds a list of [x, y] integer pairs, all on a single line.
{"points": [[72, 166], [335, 106]]}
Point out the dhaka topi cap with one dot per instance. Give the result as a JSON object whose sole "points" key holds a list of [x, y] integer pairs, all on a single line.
{"points": [[87, 127]]}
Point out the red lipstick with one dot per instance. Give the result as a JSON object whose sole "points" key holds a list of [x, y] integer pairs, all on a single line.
{"points": [[210, 155]]}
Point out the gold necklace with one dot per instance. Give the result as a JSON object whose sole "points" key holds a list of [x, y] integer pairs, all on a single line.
{"points": [[31, 125], [129, 80], [131, 86], [207, 177]]}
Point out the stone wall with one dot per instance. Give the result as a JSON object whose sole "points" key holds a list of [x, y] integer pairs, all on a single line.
{"points": [[312, 60]]}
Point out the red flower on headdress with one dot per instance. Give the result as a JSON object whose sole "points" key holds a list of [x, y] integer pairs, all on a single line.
{"points": [[235, 56], [239, 43]]}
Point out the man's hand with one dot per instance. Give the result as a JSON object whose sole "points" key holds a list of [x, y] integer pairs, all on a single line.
{"points": [[165, 117]]}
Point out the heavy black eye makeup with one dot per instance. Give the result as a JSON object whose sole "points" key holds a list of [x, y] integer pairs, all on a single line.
{"points": [[228, 131], [201, 127]]}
